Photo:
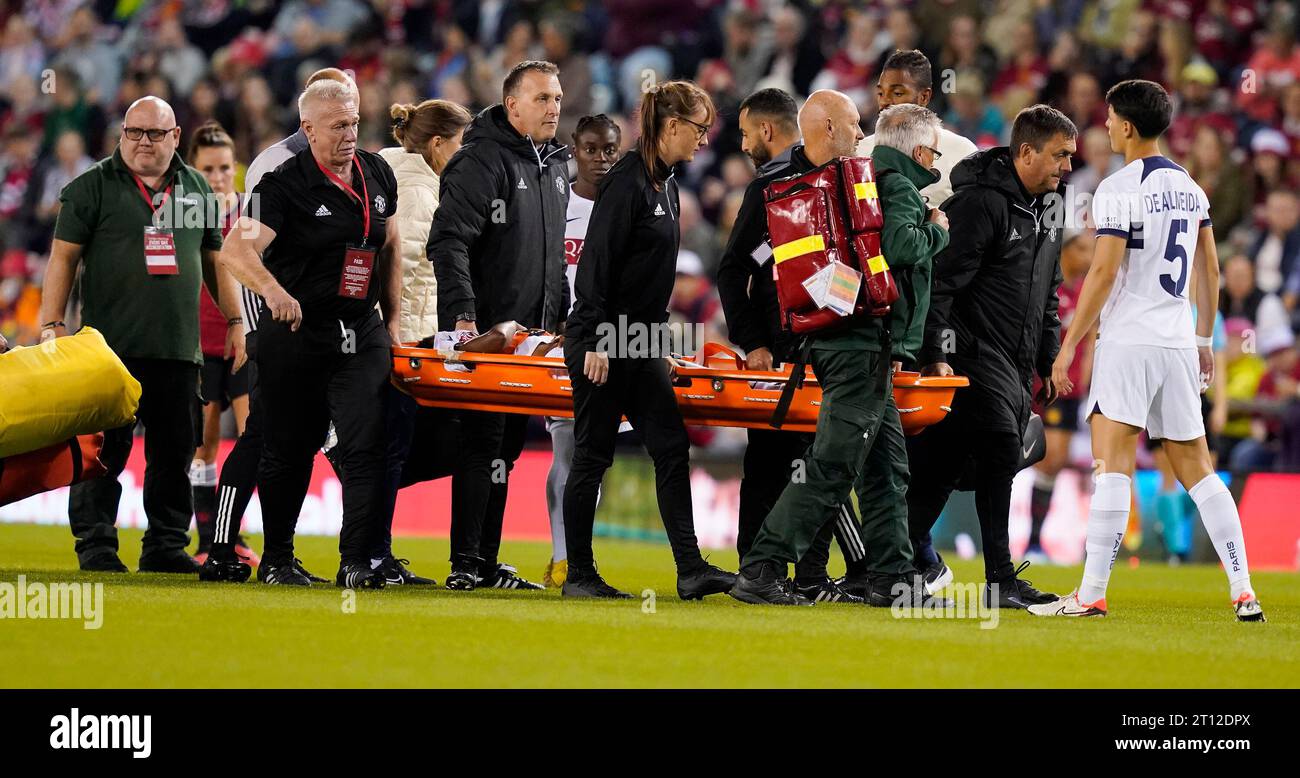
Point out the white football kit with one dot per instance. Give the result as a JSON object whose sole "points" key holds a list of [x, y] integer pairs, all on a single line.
{"points": [[1146, 372]]}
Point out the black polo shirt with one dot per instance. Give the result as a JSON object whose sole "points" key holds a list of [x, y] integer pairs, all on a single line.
{"points": [[315, 222]]}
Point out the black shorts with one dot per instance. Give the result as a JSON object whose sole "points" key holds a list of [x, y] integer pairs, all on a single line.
{"points": [[1062, 415], [218, 385]]}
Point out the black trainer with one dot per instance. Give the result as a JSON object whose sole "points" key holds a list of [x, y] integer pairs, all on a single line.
{"points": [[225, 569], [464, 573], [937, 577], [825, 590], [507, 577], [766, 589], [856, 584], [359, 575], [270, 572], [907, 591], [1015, 592], [396, 574], [176, 562], [581, 584], [103, 562], [698, 584], [304, 572]]}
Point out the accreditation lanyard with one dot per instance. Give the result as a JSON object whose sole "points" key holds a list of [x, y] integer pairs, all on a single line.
{"points": [[358, 260], [159, 243]]}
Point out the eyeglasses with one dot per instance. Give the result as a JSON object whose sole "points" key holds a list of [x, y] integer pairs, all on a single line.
{"points": [[703, 128], [937, 154], [136, 133]]}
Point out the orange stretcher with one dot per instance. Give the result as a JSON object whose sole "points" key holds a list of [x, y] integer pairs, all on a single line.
{"points": [[712, 389], [62, 464]]}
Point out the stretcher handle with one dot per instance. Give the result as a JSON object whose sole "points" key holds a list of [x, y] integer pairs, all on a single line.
{"points": [[471, 357]]}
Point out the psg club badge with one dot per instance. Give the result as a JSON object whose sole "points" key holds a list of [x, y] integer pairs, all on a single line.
{"points": [[380, 202]]}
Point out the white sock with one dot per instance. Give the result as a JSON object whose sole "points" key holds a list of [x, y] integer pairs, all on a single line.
{"points": [[1219, 513], [1107, 521]]}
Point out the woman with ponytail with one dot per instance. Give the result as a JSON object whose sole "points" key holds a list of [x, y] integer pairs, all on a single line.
{"points": [[429, 133], [623, 284]]}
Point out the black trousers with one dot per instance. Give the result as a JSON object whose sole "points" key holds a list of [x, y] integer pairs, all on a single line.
{"points": [[168, 391], [939, 457], [239, 471], [326, 370], [639, 389], [480, 485]]}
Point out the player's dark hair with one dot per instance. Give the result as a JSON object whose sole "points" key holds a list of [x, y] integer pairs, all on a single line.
{"points": [[511, 85], [776, 105], [1038, 124], [912, 62], [1144, 104], [598, 124]]}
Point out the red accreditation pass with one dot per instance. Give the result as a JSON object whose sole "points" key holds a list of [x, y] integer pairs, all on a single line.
{"points": [[160, 252], [358, 265]]}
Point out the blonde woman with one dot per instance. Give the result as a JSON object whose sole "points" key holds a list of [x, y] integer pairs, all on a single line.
{"points": [[430, 133]]}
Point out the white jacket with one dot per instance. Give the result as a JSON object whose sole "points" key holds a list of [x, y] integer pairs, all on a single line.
{"points": [[417, 199], [952, 146]]}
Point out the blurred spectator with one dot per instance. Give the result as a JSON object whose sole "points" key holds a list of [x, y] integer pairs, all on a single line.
{"points": [[70, 161], [72, 110], [1274, 66], [22, 57], [1275, 422], [962, 51], [1243, 300], [332, 19], [1270, 153], [17, 187], [1083, 101], [1099, 161], [796, 57], [1277, 244], [451, 61], [970, 116], [1105, 24], [96, 63], [851, 69], [23, 107], [1245, 370], [1198, 102], [180, 61], [1025, 68], [558, 36], [1138, 56], [1212, 165], [259, 118], [490, 70]]}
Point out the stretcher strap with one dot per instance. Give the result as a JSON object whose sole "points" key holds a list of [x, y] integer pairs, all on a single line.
{"points": [[797, 248], [74, 445], [798, 370]]}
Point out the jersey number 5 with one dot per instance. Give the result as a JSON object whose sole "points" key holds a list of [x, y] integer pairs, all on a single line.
{"points": [[1175, 253]]}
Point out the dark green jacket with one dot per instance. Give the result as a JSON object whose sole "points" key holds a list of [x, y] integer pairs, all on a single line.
{"points": [[909, 243]]}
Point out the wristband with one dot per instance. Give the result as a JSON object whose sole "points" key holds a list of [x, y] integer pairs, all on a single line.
{"points": [[233, 321], [49, 325], [1207, 342]]}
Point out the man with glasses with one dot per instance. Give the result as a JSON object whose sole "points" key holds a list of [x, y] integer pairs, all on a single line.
{"points": [[129, 222]]}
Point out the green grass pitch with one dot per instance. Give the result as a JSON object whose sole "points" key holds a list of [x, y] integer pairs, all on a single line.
{"points": [[1169, 627]]}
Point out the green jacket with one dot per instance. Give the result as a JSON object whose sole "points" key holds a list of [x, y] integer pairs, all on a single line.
{"points": [[909, 243]]}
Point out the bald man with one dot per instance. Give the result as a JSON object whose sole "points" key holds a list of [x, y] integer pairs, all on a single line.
{"points": [[129, 222], [853, 367]]}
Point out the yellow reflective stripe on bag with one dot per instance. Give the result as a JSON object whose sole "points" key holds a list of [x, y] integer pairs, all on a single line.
{"points": [[877, 264], [865, 190], [797, 248]]}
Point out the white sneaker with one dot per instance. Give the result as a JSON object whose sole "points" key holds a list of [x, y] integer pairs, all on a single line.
{"points": [[1069, 605], [1247, 608]]}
